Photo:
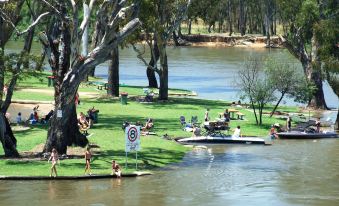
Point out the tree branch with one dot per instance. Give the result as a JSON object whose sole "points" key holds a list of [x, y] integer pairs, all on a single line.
{"points": [[139, 55]]}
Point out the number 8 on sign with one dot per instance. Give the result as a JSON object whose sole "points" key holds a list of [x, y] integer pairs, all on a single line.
{"points": [[132, 134]]}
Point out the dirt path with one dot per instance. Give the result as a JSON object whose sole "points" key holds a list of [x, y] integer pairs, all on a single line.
{"points": [[51, 92]]}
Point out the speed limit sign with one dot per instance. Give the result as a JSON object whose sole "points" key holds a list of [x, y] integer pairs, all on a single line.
{"points": [[132, 134]]}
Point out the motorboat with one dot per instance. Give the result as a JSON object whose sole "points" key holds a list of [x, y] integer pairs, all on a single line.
{"points": [[306, 135], [223, 140]]}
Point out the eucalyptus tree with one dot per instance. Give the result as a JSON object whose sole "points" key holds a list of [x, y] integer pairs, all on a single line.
{"points": [[302, 18], [160, 19], [62, 47], [326, 32], [15, 65]]}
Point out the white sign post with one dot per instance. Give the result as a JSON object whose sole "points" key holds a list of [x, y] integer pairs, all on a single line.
{"points": [[132, 139]]}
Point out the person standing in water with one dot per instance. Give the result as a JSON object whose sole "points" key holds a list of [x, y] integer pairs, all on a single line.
{"points": [[88, 156], [54, 158]]}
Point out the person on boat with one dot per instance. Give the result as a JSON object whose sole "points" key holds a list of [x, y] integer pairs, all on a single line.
{"points": [[116, 169], [237, 132], [206, 118], [54, 158], [317, 124], [273, 133], [88, 156], [288, 123]]}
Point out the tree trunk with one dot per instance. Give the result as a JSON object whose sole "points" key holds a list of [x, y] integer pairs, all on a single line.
{"points": [[242, 25], [163, 89], [152, 80], [229, 11], [276, 106], [7, 138], [175, 39], [113, 73], [64, 129], [318, 100], [189, 26]]}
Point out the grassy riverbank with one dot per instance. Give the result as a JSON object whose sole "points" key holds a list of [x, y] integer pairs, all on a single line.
{"points": [[108, 135]]}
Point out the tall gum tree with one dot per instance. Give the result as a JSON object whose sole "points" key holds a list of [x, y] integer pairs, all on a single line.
{"points": [[61, 46], [17, 64], [166, 17], [302, 43]]}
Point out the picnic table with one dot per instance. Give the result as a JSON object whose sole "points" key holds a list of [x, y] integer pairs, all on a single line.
{"points": [[100, 85], [232, 112]]}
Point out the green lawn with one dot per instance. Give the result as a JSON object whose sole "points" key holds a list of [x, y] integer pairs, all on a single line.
{"points": [[109, 136]]}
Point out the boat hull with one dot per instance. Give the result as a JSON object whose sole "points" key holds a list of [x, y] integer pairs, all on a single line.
{"points": [[222, 140], [303, 135]]}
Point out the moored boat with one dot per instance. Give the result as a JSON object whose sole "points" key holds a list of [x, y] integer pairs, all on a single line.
{"points": [[306, 135], [222, 140]]}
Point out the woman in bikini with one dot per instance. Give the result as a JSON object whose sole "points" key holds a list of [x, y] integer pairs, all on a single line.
{"points": [[54, 158], [88, 156]]}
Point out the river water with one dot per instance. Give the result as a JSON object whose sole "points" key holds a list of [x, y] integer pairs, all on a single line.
{"points": [[289, 172]]}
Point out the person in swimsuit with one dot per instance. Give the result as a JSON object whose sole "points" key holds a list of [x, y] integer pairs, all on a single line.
{"points": [[317, 124], [88, 156], [54, 158], [288, 123], [116, 169], [207, 118]]}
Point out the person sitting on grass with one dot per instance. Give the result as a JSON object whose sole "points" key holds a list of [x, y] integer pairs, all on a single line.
{"points": [[116, 170], [19, 119], [148, 125], [88, 156], [47, 117], [83, 123], [196, 131], [54, 158]]}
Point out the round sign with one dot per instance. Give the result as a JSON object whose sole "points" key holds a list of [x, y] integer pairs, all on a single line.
{"points": [[132, 134]]}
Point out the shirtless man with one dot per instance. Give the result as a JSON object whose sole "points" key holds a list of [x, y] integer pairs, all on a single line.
{"points": [[116, 169], [88, 156]]}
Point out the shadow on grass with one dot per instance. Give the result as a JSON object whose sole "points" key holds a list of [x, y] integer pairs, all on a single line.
{"points": [[151, 157]]}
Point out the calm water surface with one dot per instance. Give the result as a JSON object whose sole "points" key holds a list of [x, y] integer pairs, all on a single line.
{"points": [[211, 72], [287, 173]]}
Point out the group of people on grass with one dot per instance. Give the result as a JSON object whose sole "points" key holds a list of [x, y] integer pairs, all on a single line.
{"points": [[54, 159], [34, 117], [149, 124]]}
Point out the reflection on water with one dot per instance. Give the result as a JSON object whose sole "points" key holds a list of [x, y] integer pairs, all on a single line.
{"points": [[286, 173]]}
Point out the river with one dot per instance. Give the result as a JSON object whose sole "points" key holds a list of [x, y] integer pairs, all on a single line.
{"points": [[289, 172]]}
